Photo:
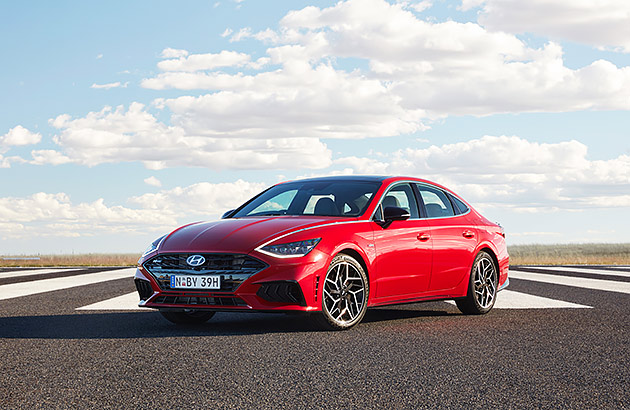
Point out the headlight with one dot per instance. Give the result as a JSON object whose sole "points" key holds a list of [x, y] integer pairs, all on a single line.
{"points": [[299, 248], [154, 245]]}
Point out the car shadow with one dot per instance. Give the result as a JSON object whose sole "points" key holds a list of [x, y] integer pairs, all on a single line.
{"points": [[389, 314], [122, 325]]}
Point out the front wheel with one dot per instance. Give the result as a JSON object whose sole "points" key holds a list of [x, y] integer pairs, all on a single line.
{"points": [[482, 287], [187, 317], [344, 294]]}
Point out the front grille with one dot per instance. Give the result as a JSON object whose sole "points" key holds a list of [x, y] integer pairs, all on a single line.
{"points": [[144, 289], [233, 268], [198, 300], [287, 292]]}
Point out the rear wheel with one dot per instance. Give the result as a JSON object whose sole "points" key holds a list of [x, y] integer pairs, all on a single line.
{"points": [[482, 287], [344, 294], [187, 317]]}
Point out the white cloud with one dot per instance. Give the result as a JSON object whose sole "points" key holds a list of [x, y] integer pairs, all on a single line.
{"points": [[227, 32], [99, 56], [202, 200], [603, 24], [241, 34], [297, 101], [55, 215], [198, 62], [18, 136], [512, 172], [108, 86], [46, 214], [418, 71], [455, 68], [421, 5], [153, 181], [49, 156], [118, 135], [173, 53]]}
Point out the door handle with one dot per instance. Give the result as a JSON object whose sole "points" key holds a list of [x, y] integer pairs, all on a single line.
{"points": [[468, 234], [423, 237]]}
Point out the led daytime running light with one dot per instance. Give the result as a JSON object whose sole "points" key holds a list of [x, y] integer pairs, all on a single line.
{"points": [[299, 248]]}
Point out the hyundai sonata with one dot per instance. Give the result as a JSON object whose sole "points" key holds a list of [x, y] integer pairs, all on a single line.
{"points": [[331, 247]]}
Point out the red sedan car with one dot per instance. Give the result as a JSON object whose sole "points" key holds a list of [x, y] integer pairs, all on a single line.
{"points": [[331, 247]]}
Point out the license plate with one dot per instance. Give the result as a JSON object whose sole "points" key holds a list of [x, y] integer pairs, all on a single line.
{"points": [[195, 282]]}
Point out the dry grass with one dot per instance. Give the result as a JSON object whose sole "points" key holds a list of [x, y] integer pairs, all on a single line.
{"points": [[89, 259], [573, 254]]}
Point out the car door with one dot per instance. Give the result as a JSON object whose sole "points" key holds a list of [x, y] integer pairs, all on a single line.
{"points": [[403, 249], [454, 238]]}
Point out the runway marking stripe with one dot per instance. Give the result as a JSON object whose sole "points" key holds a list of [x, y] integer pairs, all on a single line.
{"points": [[583, 270], [586, 283], [124, 302], [15, 290], [505, 300], [509, 299], [21, 273]]}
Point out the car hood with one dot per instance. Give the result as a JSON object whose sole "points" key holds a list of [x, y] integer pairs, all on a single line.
{"points": [[240, 235]]}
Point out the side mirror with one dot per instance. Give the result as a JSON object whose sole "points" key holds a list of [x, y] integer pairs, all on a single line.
{"points": [[394, 213], [227, 214]]}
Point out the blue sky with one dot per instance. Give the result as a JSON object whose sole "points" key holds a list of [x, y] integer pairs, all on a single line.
{"points": [[121, 121]]}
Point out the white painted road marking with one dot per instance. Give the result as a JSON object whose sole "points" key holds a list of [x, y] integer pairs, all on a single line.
{"points": [[124, 302], [586, 283], [506, 299], [20, 273], [575, 269], [509, 299], [15, 290]]}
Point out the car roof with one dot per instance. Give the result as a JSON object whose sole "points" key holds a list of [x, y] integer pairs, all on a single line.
{"points": [[361, 178], [364, 178], [385, 179]]}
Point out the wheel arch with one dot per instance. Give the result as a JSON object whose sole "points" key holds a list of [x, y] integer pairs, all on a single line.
{"points": [[359, 258], [487, 249]]}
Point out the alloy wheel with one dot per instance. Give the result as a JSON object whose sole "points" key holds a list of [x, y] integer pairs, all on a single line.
{"points": [[485, 284], [344, 293]]}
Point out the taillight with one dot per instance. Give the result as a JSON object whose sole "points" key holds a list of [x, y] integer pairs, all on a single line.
{"points": [[501, 231]]}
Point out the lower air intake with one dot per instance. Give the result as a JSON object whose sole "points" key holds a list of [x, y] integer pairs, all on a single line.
{"points": [[287, 292], [144, 289]]}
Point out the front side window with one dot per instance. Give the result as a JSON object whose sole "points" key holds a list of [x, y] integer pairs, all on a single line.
{"points": [[322, 198], [435, 201], [400, 196]]}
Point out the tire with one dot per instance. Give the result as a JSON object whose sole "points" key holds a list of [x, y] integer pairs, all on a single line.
{"points": [[187, 317], [344, 294], [482, 287]]}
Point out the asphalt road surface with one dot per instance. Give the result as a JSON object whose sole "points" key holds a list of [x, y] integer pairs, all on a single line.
{"points": [[557, 338]]}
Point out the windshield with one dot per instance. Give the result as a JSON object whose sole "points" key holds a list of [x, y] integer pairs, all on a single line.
{"points": [[323, 198]]}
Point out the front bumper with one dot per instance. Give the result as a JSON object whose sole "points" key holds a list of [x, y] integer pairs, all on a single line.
{"points": [[285, 284]]}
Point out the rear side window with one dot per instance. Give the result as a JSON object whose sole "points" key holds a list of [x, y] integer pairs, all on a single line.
{"points": [[436, 202], [460, 207]]}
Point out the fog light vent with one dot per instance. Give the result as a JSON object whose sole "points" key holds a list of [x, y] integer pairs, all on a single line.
{"points": [[285, 292], [144, 289]]}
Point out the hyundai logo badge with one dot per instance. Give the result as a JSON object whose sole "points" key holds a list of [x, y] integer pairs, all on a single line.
{"points": [[195, 260]]}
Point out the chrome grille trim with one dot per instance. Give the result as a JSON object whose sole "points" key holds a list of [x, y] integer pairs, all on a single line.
{"points": [[234, 269]]}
